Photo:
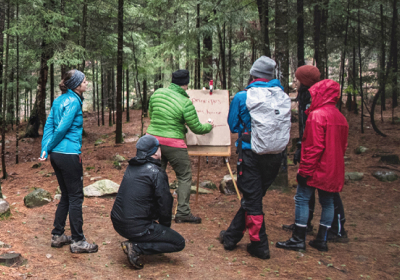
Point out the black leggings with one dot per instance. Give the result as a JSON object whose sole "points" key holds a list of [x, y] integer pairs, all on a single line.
{"points": [[69, 172]]}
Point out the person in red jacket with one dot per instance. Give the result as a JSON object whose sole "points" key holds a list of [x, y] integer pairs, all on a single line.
{"points": [[322, 164]]}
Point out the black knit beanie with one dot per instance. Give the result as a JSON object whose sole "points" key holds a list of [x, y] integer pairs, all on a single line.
{"points": [[180, 77]]}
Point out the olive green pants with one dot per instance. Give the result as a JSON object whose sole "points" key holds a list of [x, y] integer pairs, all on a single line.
{"points": [[180, 162]]}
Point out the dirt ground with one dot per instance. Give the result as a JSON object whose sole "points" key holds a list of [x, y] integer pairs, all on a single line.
{"points": [[372, 211]]}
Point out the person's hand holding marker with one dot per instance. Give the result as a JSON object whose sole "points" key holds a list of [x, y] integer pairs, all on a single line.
{"points": [[210, 121]]}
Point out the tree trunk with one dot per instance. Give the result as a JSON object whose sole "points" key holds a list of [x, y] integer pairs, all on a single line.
{"points": [[263, 16], [97, 92], [51, 84], [300, 33], [113, 101], [198, 58], [317, 34], [282, 43], [323, 39], [354, 105], [109, 97], [84, 27], [93, 88], [222, 54], [393, 54], [3, 131], [17, 103], [359, 61], [207, 59], [382, 82], [230, 58], [127, 95], [144, 101], [102, 92], [118, 131]]}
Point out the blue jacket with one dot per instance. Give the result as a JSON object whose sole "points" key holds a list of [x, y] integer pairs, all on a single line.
{"points": [[63, 129], [238, 108]]}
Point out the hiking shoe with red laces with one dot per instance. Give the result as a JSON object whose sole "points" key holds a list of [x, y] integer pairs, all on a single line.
{"points": [[57, 241]]}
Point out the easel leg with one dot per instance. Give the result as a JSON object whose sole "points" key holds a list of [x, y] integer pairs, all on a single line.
{"points": [[233, 180], [198, 180]]}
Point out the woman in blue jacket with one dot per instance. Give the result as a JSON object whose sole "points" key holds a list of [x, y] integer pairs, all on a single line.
{"points": [[62, 138]]}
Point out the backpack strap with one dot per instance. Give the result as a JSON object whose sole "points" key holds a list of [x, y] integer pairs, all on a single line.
{"points": [[245, 136]]}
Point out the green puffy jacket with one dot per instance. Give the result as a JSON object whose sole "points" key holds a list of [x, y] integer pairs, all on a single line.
{"points": [[170, 109]]}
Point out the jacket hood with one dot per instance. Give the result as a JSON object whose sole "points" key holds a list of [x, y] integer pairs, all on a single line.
{"points": [[136, 161], [272, 83], [322, 93]]}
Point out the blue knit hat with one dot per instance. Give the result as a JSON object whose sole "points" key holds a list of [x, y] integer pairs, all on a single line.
{"points": [[146, 146], [75, 80]]}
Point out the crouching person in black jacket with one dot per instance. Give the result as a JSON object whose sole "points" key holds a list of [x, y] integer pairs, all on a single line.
{"points": [[142, 199]]}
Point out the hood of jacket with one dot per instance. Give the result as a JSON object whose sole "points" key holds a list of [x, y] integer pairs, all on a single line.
{"points": [[323, 93], [136, 161], [272, 83]]}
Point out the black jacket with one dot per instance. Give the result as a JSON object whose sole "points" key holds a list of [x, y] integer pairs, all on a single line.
{"points": [[142, 198]]}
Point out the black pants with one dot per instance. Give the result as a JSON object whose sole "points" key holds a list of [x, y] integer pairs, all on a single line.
{"points": [[258, 173], [69, 172], [158, 239], [338, 218]]}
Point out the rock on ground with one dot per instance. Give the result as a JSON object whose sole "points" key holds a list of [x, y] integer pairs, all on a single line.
{"points": [[208, 185], [4, 208], [354, 176], [360, 150], [226, 186], [10, 259], [201, 190], [385, 176], [38, 197], [119, 158], [100, 188]]}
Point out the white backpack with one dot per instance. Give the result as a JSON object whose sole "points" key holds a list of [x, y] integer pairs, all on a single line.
{"points": [[270, 119]]}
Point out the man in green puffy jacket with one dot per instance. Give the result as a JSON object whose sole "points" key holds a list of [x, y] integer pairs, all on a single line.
{"points": [[170, 111]]}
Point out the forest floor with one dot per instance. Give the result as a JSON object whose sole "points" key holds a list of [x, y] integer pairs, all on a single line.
{"points": [[371, 207]]}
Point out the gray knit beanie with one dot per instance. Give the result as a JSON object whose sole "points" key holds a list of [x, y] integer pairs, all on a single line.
{"points": [[264, 67]]}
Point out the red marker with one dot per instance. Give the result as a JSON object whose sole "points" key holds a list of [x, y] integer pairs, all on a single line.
{"points": [[211, 87]]}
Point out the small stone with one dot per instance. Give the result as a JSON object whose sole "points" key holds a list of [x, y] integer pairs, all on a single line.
{"points": [[48, 256], [4, 208], [57, 196], [131, 139], [208, 185], [123, 135], [354, 176], [4, 245], [201, 190], [119, 158], [100, 188], [360, 150], [37, 165], [10, 259], [95, 178], [58, 190], [98, 142], [385, 176], [390, 159], [226, 186], [38, 197]]}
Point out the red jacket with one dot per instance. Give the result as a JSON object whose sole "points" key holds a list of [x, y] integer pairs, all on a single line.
{"points": [[325, 139]]}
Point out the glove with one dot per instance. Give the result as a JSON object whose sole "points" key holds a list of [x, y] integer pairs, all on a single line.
{"points": [[297, 156], [301, 180]]}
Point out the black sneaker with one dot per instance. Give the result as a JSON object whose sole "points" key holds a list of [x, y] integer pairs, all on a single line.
{"points": [[82, 246], [133, 255], [221, 236], [188, 219], [332, 237], [57, 241], [291, 228], [124, 246]]}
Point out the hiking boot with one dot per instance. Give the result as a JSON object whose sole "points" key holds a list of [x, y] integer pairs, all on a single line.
{"points": [[292, 226], [227, 246], [261, 252], [57, 241], [297, 242], [124, 246], [319, 242], [336, 238], [188, 219], [133, 254], [82, 246]]}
